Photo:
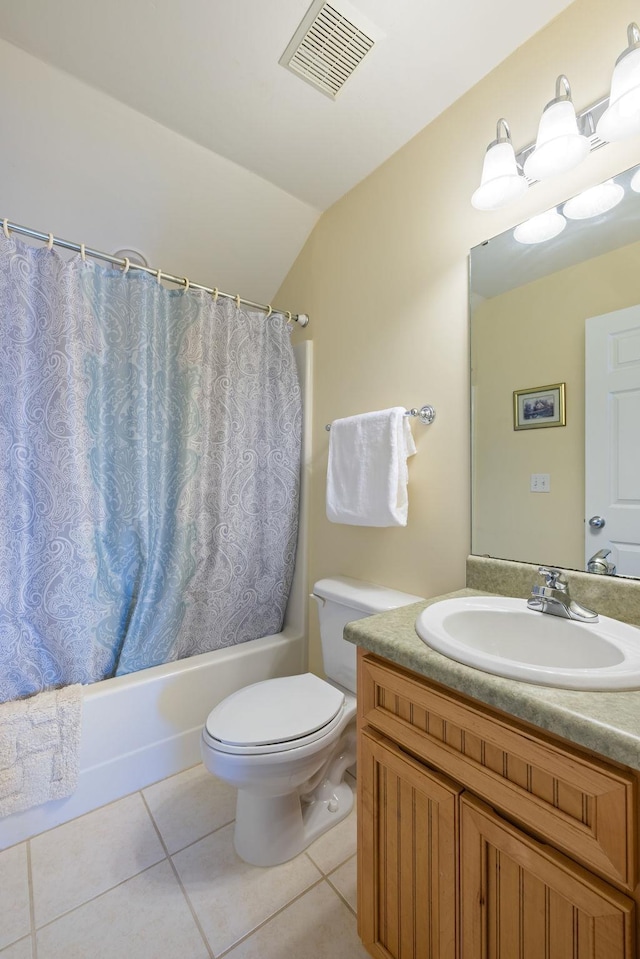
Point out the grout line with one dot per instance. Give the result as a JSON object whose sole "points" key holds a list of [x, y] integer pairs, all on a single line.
{"points": [[99, 895], [111, 802], [102, 892], [320, 869], [341, 895], [179, 881], [32, 911], [206, 835], [266, 921]]}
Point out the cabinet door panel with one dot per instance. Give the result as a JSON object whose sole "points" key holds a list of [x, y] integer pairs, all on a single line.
{"points": [[581, 804], [408, 832], [522, 899]]}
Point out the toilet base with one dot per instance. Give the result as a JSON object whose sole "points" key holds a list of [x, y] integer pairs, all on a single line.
{"points": [[273, 829]]}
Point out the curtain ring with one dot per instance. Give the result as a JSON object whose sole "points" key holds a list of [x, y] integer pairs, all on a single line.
{"points": [[215, 292], [5, 228], [83, 253], [269, 311], [127, 264], [50, 242], [187, 284], [159, 276], [289, 317], [237, 301]]}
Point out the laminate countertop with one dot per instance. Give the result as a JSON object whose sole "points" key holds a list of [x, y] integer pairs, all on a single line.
{"points": [[606, 722]]}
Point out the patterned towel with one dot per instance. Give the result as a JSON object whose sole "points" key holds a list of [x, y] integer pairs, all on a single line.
{"points": [[39, 748]]}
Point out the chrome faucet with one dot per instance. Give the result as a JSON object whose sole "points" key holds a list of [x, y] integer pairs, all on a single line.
{"points": [[598, 563], [553, 598]]}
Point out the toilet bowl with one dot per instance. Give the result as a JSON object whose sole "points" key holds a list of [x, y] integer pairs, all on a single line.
{"points": [[287, 760], [286, 743]]}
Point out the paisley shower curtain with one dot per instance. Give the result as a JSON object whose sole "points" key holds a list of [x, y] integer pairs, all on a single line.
{"points": [[149, 469]]}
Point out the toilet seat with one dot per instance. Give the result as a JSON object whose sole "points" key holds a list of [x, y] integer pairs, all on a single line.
{"points": [[275, 715]]}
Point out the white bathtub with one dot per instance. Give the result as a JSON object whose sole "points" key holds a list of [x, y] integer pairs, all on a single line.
{"points": [[139, 728]]}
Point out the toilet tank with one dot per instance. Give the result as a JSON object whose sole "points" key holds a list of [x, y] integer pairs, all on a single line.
{"points": [[342, 600]]}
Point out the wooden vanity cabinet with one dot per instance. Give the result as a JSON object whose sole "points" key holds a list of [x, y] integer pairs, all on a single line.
{"points": [[480, 836]]}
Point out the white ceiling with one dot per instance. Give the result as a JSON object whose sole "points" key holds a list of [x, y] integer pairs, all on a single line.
{"points": [[208, 69]]}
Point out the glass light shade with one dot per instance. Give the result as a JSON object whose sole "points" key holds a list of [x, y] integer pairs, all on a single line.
{"points": [[559, 146], [597, 199], [635, 182], [539, 228], [501, 181], [621, 119]]}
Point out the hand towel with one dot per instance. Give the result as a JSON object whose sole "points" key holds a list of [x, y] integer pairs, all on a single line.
{"points": [[39, 748], [367, 473]]}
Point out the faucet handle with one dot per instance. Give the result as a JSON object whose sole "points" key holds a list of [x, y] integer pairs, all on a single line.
{"points": [[553, 577]]}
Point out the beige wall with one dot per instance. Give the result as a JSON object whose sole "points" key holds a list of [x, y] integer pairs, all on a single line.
{"points": [[534, 336], [384, 278]]}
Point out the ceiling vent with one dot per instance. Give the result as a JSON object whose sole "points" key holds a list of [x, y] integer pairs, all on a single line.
{"points": [[329, 44]]}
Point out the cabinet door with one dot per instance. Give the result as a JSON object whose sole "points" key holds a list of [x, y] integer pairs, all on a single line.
{"points": [[407, 861], [522, 899]]}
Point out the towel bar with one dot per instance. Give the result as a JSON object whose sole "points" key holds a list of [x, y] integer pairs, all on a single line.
{"points": [[426, 414]]}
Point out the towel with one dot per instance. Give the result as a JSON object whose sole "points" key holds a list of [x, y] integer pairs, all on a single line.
{"points": [[367, 474], [39, 748]]}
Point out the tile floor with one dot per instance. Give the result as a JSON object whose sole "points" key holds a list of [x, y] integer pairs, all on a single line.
{"points": [[155, 876]]}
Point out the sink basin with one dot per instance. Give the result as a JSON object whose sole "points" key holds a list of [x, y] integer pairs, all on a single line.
{"points": [[503, 636]]}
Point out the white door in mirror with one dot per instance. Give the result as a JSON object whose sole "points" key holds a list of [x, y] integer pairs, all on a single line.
{"points": [[612, 450], [501, 635]]}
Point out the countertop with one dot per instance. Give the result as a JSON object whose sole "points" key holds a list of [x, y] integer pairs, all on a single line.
{"points": [[606, 722]]}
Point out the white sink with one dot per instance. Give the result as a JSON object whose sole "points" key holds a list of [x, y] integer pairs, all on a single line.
{"points": [[503, 636]]}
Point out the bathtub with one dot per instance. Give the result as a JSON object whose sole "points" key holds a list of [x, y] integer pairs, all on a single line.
{"points": [[140, 728]]}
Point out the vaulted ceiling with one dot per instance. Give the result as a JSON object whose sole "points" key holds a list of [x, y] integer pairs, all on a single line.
{"points": [[208, 69]]}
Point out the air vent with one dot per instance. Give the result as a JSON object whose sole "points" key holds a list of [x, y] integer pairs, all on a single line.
{"points": [[328, 45]]}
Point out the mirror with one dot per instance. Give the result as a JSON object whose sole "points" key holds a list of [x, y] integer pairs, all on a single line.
{"points": [[530, 305]]}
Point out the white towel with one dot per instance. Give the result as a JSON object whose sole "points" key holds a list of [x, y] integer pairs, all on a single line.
{"points": [[39, 748], [367, 474]]}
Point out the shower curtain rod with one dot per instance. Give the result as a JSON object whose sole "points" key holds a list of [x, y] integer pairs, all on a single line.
{"points": [[301, 318]]}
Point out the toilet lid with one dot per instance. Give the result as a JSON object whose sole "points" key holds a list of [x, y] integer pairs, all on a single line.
{"points": [[275, 711]]}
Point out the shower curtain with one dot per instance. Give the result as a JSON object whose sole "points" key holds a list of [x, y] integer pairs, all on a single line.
{"points": [[149, 470]]}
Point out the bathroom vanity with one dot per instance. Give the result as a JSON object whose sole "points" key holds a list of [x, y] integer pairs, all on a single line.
{"points": [[496, 818]]}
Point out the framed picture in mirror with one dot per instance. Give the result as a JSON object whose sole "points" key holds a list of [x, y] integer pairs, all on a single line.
{"points": [[539, 407]]}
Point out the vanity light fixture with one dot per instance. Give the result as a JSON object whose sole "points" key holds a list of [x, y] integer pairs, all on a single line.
{"points": [[594, 201], [539, 228], [635, 182], [565, 139], [501, 179], [559, 145], [621, 119]]}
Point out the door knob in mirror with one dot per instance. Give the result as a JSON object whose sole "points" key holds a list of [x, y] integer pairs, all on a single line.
{"points": [[597, 522]]}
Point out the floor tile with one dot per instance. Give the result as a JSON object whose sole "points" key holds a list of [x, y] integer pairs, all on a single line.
{"points": [[336, 845], [344, 878], [146, 917], [83, 858], [231, 897], [20, 950], [190, 805], [316, 926], [15, 920]]}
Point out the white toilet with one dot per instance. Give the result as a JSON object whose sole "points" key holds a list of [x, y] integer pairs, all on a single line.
{"points": [[285, 743]]}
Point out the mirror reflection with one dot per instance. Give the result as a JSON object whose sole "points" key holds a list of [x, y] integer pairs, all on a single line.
{"points": [[555, 381]]}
